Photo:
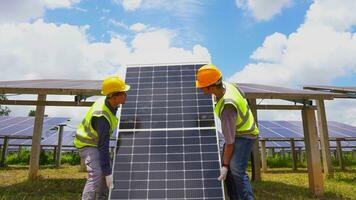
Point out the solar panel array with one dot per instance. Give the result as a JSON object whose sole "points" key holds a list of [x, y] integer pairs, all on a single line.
{"points": [[168, 146], [294, 129], [23, 126]]}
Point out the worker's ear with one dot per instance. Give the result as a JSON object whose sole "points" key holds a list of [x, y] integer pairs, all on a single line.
{"points": [[212, 88]]}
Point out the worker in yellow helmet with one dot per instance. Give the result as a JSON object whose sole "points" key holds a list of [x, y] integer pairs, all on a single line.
{"points": [[238, 127], [93, 136]]}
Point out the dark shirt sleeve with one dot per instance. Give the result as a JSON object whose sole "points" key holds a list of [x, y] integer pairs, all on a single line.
{"points": [[102, 127], [228, 123]]}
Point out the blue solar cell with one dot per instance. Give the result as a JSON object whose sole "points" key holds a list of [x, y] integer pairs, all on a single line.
{"points": [[294, 129], [23, 126], [266, 124], [171, 93], [168, 159]]}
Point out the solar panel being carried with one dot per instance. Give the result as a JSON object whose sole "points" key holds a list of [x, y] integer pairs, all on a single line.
{"points": [[168, 146]]}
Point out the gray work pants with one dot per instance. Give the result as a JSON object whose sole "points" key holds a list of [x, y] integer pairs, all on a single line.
{"points": [[95, 187]]}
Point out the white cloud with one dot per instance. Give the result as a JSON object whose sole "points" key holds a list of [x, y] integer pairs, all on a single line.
{"points": [[155, 47], [23, 11], [44, 50], [263, 10], [138, 27], [320, 51], [130, 5], [337, 14], [312, 55], [272, 49]]}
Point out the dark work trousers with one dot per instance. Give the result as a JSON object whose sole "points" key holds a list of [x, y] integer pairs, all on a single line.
{"points": [[237, 181]]}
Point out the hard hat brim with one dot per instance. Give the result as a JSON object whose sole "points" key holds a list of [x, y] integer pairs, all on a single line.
{"points": [[198, 85], [127, 88]]}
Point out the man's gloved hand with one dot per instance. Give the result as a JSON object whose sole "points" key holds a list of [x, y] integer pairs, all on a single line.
{"points": [[223, 173], [109, 181]]}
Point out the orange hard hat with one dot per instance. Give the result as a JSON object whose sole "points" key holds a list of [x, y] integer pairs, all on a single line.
{"points": [[113, 84], [207, 75]]}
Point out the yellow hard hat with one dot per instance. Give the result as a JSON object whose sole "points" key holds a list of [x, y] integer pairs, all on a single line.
{"points": [[207, 75], [113, 84]]}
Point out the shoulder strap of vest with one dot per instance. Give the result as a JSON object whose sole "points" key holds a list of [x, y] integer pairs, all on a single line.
{"points": [[241, 92]]}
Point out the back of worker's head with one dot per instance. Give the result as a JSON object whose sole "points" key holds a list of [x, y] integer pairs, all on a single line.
{"points": [[209, 75], [113, 85]]}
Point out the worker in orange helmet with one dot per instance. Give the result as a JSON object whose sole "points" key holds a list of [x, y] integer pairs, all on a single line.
{"points": [[93, 136], [238, 127]]}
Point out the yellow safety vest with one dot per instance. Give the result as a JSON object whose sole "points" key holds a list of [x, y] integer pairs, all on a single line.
{"points": [[245, 122], [86, 135]]}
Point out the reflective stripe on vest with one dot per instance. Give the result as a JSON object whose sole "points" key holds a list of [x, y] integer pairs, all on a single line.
{"points": [[245, 123], [86, 135]]}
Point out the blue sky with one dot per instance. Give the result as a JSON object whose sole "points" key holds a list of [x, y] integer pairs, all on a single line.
{"points": [[281, 42], [230, 34]]}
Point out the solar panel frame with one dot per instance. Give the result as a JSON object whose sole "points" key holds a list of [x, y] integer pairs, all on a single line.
{"points": [[175, 147]]}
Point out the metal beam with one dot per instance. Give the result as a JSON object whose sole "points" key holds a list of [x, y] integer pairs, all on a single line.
{"points": [[281, 107], [285, 96], [16, 137], [306, 102]]}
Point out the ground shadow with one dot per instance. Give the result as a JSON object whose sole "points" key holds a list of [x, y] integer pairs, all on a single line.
{"points": [[285, 171], [17, 167]]}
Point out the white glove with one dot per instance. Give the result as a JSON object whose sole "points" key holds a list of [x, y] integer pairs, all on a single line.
{"points": [[109, 181], [223, 173]]}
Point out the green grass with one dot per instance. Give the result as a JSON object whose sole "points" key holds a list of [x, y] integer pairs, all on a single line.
{"points": [[283, 183], [64, 183], [67, 183], [46, 158]]}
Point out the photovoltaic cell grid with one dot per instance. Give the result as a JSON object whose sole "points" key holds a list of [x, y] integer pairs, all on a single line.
{"points": [[167, 165], [168, 147], [165, 97], [23, 126], [294, 129]]}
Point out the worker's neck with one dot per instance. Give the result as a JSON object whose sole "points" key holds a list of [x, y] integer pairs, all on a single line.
{"points": [[219, 92], [112, 102]]}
